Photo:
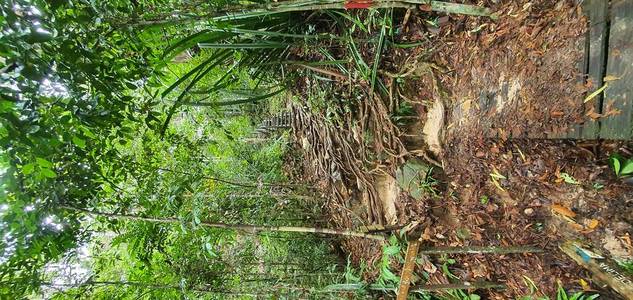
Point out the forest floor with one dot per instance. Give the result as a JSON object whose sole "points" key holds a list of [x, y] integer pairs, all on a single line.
{"points": [[484, 95]]}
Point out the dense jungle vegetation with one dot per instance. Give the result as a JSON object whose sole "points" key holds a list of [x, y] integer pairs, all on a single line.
{"points": [[145, 153]]}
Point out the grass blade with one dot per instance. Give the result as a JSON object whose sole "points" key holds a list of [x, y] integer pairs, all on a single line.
{"points": [[379, 46], [260, 45], [234, 102]]}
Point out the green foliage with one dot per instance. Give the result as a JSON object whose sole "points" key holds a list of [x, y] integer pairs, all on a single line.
{"points": [[561, 293], [68, 82], [446, 262], [621, 167], [95, 116], [390, 251], [569, 179], [627, 266], [461, 295]]}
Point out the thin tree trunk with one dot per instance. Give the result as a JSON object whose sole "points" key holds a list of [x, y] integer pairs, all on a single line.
{"points": [[144, 285], [253, 229], [282, 196], [227, 181], [244, 11], [480, 250]]}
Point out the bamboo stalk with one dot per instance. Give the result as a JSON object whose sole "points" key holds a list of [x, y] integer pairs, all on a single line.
{"points": [[253, 229], [464, 285], [480, 250], [420, 288]]}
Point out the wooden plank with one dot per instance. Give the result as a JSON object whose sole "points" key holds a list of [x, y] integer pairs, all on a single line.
{"points": [[575, 130], [596, 11], [407, 269], [619, 95], [603, 269]]}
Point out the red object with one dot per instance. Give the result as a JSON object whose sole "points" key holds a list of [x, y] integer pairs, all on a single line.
{"points": [[352, 4]]}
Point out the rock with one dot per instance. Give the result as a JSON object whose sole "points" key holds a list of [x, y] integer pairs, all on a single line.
{"points": [[528, 211], [410, 177]]}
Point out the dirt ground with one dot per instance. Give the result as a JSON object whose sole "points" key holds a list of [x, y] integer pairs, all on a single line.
{"points": [[486, 94]]}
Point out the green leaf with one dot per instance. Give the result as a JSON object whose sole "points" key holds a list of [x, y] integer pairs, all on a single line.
{"points": [[209, 248], [379, 46], [392, 250], [28, 169], [616, 166], [627, 169], [260, 45], [43, 162], [595, 93], [48, 173], [393, 240], [216, 58], [388, 275], [569, 179], [88, 133], [79, 142], [614, 162]]}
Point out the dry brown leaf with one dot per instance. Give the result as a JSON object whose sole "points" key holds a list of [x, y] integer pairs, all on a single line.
{"points": [[557, 114], [610, 78], [610, 111], [577, 227], [593, 223], [559, 209], [593, 114]]}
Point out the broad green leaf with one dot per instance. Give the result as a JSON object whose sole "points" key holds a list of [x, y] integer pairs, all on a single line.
{"points": [[79, 142], [43, 162], [88, 133], [392, 250], [48, 173], [615, 165], [28, 168], [627, 169]]}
